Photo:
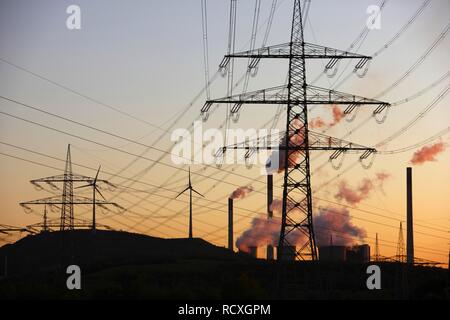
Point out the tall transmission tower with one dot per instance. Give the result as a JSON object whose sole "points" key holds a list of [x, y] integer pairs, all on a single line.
{"points": [[67, 195], [298, 140], [67, 199], [400, 256]]}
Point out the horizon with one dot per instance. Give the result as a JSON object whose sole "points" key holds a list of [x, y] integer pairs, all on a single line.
{"points": [[109, 76]]}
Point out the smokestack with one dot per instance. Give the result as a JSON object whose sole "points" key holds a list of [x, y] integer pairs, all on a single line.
{"points": [[269, 195], [409, 218], [269, 210], [230, 224]]}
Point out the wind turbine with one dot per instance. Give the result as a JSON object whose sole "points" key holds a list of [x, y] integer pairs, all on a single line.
{"points": [[95, 189], [190, 188]]}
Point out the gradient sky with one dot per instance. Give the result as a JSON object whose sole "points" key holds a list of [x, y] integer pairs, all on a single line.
{"points": [[145, 58]]}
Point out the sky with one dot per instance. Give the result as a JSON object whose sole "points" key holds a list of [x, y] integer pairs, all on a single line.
{"points": [[145, 59]]}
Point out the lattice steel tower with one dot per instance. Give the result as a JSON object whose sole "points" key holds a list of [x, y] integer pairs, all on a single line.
{"points": [[297, 212], [400, 256], [67, 195], [67, 200]]}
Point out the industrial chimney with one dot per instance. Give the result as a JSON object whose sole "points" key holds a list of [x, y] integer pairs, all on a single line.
{"points": [[230, 224], [269, 210], [409, 218]]}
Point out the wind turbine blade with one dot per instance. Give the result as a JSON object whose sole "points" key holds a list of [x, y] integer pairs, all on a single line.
{"points": [[182, 192], [198, 193], [189, 176], [87, 185], [96, 176], [96, 189]]}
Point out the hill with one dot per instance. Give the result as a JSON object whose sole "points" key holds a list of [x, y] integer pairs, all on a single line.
{"points": [[49, 251], [123, 265]]}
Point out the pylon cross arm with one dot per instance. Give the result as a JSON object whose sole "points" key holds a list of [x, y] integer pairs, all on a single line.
{"points": [[311, 51], [316, 142], [57, 200], [283, 51], [61, 178], [279, 95]]}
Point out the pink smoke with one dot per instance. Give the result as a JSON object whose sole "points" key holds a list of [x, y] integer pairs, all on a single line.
{"points": [[381, 176], [428, 153], [329, 220], [241, 192], [355, 195], [318, 122], [262, 232], [338, 115], [336, 222], [296, 139]]}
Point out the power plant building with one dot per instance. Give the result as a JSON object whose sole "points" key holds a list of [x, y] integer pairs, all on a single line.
{"points": [[358, 253]]}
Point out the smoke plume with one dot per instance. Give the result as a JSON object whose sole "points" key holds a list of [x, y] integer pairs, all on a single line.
{"points": [[241, 192], [262, 232], [428, 153], [338, 115], [276, 161], [318, 122], [327, 221], [355, 195], [336, 222]]}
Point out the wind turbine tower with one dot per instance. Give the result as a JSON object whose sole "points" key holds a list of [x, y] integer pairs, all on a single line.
{"points": [[95, 189], [191, 189]]}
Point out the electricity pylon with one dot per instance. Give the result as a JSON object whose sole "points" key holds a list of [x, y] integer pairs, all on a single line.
{"points": [[377, 248], [400, 256], [67, 196], [297, 95], [67, 200], [191, 189]]}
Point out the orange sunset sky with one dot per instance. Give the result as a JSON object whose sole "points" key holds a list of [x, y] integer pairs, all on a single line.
{"points": [[137, 70]]}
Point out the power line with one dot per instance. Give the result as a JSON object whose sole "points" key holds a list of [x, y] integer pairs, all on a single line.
{"points": [[205, 45], [390, 42], [351, 165], [433, 104], [418, 62], [96, 101], [422, 91], [418, 144], [267, 21], [240, 208], [403, 28], [101, 131]]}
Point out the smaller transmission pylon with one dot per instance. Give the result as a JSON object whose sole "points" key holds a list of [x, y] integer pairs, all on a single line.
{"points": [[400, 256]]}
